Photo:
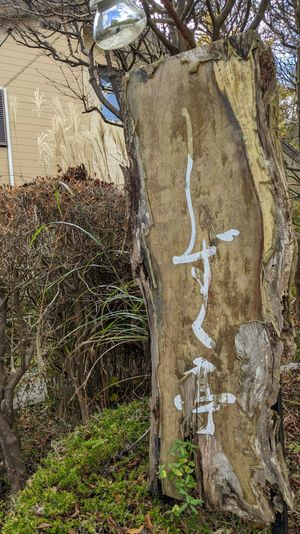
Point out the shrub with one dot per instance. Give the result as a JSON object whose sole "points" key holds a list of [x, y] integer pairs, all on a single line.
{"points": [[68, 305]]}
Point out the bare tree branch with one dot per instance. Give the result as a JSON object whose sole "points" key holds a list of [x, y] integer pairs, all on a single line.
{"points": [[260, 15], [62, 29], [182, 29]]}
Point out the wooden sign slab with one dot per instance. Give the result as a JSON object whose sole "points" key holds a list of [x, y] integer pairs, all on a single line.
{"points": [[213, 250]]}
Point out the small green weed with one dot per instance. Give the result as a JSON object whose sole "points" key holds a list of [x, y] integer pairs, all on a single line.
{"points": [[294, 447], [182, 472]]}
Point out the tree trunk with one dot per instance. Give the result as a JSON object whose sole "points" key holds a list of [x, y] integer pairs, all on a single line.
{"points": [[84, 406], [9, 442], [79, 376], [297, 281], [212, 250], [297, 13], [10, 446]]}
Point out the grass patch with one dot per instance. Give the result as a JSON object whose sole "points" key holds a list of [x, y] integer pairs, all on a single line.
{"points": [[83, 487]]}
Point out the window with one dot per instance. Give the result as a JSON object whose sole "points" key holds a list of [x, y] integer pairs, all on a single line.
{"points": [[3, 141], [111, 97]]}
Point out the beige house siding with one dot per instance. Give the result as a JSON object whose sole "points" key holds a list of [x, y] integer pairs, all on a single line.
{"points": [[22, 72]]}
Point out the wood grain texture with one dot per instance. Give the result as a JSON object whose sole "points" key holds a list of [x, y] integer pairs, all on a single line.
{"points": [[217, 104]]}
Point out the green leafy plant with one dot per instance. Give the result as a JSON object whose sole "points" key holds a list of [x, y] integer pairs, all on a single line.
{"points": [[182, 472], [294, 447]]}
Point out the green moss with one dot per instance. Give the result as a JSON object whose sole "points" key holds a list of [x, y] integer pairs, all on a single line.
{"points": [[82, 486]]}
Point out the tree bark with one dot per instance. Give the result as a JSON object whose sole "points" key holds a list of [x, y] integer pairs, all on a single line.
{"points": [[212, 250], [9, 441], [84, 405], [10, 446], [76, 368], [297, 13]]}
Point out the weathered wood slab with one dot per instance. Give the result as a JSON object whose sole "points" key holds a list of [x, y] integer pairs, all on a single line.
{"points": [[213, 249]]}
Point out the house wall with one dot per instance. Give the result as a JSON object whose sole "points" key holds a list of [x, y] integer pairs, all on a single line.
{"points": [[22, 72]]}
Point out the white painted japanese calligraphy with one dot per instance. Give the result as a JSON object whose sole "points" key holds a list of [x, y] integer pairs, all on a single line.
{"points": [[205, 401], [203, 278]]}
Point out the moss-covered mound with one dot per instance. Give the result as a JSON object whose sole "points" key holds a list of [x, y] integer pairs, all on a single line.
{"points": [[84, 486]]}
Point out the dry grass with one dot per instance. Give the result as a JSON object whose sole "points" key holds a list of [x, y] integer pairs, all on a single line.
{"points": [[74, 139]]}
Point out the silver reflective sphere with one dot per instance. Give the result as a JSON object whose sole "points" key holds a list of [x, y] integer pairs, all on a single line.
{"points": [[117, 23]]}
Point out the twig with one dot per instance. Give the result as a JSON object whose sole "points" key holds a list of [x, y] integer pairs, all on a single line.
{"points": [[161, 36], [179, 24], [128, 449]]}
